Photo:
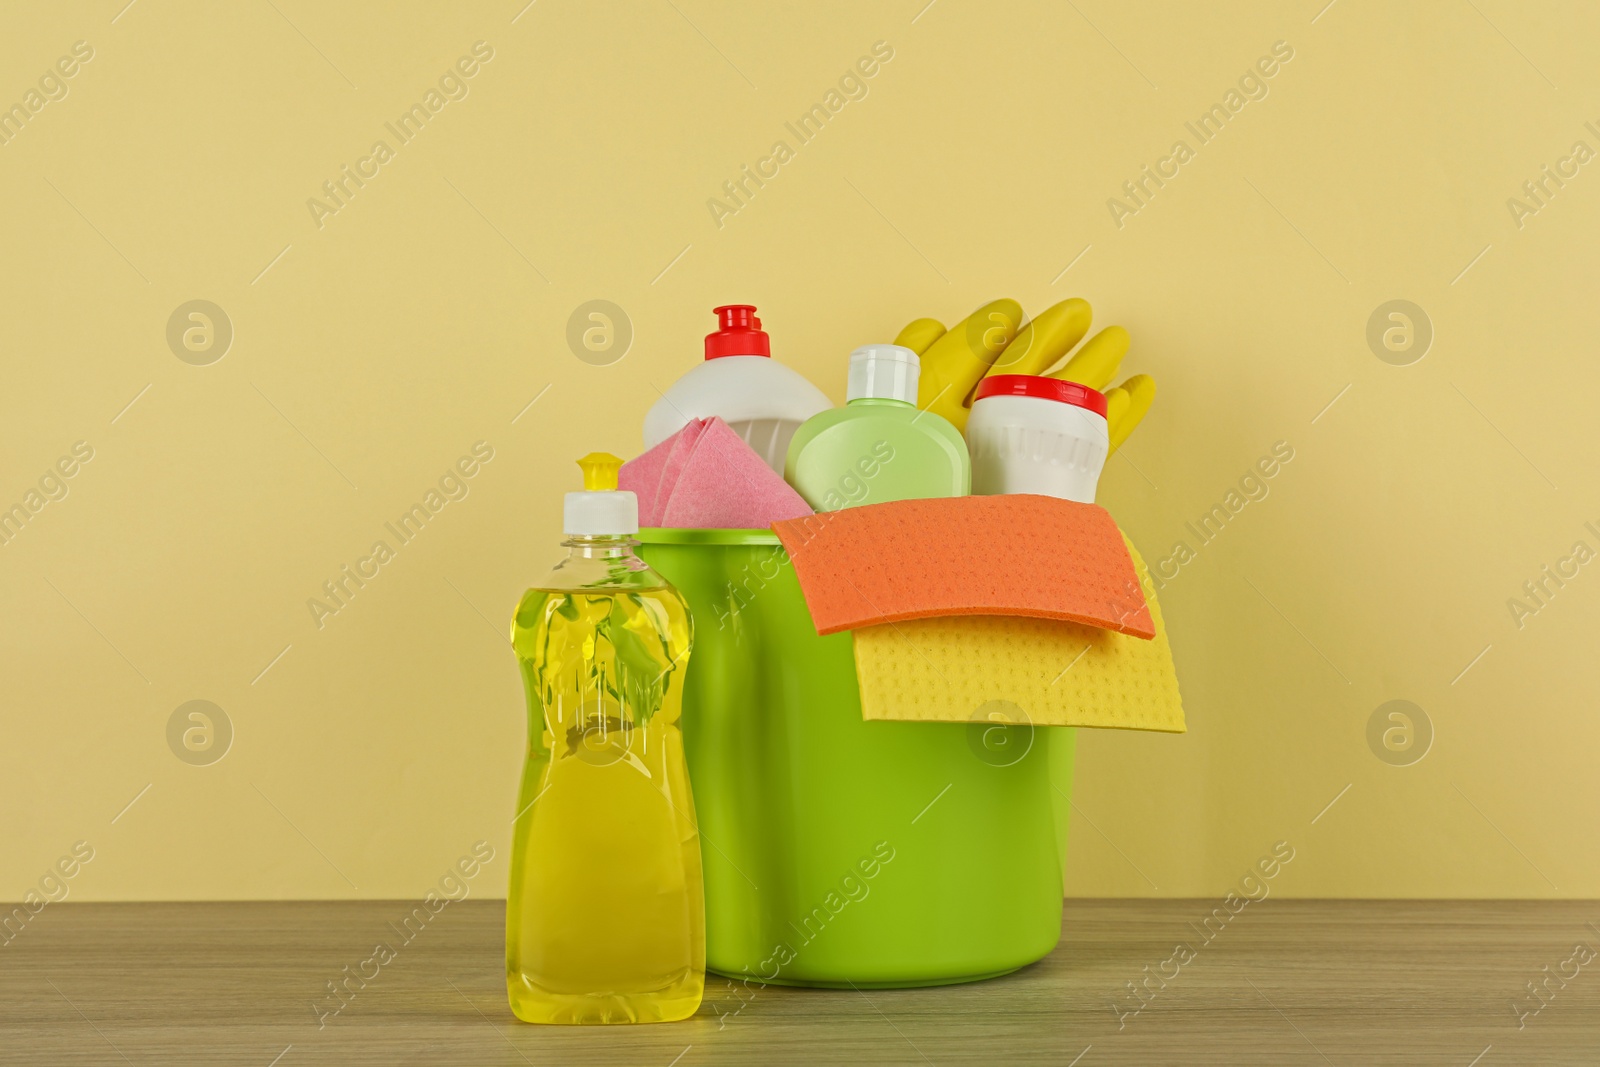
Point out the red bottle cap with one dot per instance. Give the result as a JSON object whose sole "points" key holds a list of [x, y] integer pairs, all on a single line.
{"points": [[739, 333], [1044, 388]]}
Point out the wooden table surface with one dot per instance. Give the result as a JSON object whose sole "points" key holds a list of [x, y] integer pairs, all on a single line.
{"points": [[1286, 982]]}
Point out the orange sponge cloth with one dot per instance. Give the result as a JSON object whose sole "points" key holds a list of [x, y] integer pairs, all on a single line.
{"points": [[1016, 554]]}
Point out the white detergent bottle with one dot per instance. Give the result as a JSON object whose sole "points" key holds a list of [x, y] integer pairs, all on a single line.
{"points": [[740, 383]]}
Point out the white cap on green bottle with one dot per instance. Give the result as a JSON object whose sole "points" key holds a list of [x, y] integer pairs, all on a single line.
{"points": [[601, 510], [883, 372]]}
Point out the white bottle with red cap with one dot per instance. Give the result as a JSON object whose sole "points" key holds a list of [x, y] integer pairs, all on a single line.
{"points": [[740, 383], [1031, 434]]}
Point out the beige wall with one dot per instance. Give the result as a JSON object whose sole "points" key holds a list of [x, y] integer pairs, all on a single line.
{"points": [[372, 751]]}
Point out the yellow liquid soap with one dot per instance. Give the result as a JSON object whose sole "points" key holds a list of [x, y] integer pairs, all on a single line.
{"points": [[605, 920]]}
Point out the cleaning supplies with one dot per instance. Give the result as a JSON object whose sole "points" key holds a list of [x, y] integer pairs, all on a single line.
{"points": [[1031, 434], [605, 920], [704, 476], [761, 399], [878, 447]]}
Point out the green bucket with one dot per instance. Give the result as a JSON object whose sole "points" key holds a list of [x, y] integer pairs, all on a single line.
{"points": [[840, 852]]}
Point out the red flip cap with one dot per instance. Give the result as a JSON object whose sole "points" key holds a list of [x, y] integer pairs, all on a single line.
{"points": [[1062, 392], [739, 333]]}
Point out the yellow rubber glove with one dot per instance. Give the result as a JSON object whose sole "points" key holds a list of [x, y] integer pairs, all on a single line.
{"points": [[994, 340]]}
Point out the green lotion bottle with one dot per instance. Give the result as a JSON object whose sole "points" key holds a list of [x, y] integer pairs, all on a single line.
{"points": [[878, 447]]}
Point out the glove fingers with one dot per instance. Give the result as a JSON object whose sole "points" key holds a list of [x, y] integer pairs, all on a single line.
{"points": [[1141, 390], [1117, 401], [920, 335], [1096, 362], [1046, 339]]}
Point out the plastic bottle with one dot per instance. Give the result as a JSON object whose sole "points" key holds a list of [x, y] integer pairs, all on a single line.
{"points": [[1030, 434], [763, 400], [878, 447], [605, 920]]}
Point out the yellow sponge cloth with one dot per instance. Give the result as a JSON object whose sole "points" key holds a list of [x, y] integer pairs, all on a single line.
{"points": [[1001, 668]]}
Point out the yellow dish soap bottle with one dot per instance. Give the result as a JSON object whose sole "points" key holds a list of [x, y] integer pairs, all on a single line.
{"points": [[605, 921]]}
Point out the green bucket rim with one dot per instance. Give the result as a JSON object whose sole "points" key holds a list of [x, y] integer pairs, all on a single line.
{"points": [[665, 535]]}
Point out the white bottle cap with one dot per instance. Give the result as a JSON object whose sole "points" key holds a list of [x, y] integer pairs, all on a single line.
{"points": [[601, 510], [604, 513], [883, 372]]}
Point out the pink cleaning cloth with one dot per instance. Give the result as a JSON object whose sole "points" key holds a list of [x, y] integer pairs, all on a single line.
{"points": [[641, 476], [651, 475], [683, 445], [723, 484]]}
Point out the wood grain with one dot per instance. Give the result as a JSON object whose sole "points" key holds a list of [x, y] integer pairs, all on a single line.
{"points": [[1283, 982]]}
